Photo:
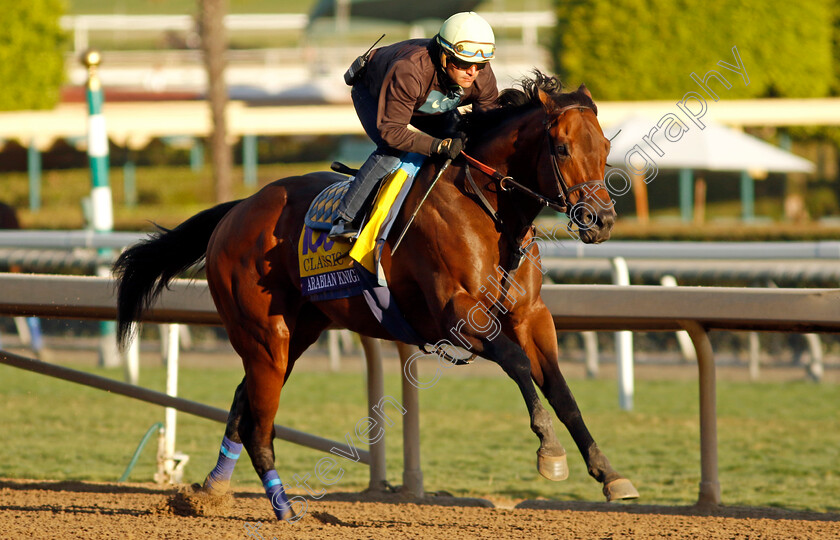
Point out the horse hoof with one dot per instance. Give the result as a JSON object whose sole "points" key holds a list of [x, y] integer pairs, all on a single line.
{"points": [[216, 489], [554, 468], [620, 489]]}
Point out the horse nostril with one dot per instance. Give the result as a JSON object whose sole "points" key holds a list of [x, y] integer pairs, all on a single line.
{"points": [[584, 219]]}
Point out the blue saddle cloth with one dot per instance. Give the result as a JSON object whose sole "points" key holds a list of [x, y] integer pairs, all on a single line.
{"points": [[335, 278], [322, 212]]}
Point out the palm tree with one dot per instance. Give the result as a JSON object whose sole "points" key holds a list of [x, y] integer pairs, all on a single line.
{"points": [[214, 44]]}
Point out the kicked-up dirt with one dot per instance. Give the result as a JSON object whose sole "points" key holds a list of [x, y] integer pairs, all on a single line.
{"points": [[45, 509]]}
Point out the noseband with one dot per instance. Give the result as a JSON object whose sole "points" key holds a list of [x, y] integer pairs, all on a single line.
{"points": [[508, 184]]}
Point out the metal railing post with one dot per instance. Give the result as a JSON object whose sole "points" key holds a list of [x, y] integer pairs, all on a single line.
{"points": [[375, 391], [412, 473], [33, 167], [709, 482], [249, 160]]}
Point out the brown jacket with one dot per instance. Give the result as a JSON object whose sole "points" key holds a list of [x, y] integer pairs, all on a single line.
{"points": [[408, 84]]}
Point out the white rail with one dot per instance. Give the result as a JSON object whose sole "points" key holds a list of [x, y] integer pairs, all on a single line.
{"points": [[93, 298], [567, 254], [827, 249], [33, 239], [824, 250], [574, 307], [81, 25]]}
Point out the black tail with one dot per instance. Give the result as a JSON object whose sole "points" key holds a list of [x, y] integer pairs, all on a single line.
{"points": [[144, 269]]}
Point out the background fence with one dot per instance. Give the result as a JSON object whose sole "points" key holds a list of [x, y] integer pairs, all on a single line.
{"points": [[605, 307]]}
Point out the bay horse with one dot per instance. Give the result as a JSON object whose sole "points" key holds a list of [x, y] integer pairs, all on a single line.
{"points": [[8, 217], [538, 147]]}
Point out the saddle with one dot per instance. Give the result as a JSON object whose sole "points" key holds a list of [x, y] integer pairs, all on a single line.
{"points": [[333, 269], [379, 217], [322, 212]]}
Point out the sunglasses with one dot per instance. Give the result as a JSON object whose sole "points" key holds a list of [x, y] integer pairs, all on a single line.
{"points": [[463, 66]]}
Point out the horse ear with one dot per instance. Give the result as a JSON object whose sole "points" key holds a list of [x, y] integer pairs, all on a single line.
{"points": [[547, 101], [585, 90]]}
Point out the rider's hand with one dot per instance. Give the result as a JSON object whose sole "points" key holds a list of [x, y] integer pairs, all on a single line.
{"points": [[450, 147]]}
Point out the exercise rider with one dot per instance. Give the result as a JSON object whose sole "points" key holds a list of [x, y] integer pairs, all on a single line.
{"points": [[415, 82]]}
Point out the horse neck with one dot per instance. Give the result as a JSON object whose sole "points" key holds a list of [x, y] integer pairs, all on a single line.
{"points": [[512, 153]]}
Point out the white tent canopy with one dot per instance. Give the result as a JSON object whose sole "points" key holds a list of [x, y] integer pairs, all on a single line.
{"points": [[677, 143]]}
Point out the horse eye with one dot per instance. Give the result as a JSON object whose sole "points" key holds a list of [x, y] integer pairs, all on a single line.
{"points": [[563, 150]]}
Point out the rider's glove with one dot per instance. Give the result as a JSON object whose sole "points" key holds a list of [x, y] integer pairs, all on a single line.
{"points": [[450, 147]]}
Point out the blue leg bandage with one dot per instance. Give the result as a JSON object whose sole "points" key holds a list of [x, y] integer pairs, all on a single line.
{"points": [[219, 477], [276, 494]]}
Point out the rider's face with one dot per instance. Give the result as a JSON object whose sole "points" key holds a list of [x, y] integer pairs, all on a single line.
{"points": [[462, 73]]}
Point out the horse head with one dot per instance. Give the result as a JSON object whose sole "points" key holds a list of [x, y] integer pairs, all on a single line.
{"points": [[572, 162], [548, 147]]}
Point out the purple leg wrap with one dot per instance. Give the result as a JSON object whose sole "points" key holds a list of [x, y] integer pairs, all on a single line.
{"points": [[276, 494], [228, 455]]}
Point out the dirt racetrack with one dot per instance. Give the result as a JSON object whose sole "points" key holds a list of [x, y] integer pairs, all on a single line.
{"points": [[43, 509]]}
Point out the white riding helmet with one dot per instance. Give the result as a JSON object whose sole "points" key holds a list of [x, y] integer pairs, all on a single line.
{"points": [[468, 37]]}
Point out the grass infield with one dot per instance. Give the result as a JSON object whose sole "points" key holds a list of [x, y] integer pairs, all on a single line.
{"points": [[779, 442]]}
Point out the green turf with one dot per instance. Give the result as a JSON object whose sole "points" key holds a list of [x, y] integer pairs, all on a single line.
{"points": [[779, 442]]}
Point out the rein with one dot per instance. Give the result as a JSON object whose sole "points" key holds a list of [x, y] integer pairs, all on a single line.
{"points": [[507, 183]]}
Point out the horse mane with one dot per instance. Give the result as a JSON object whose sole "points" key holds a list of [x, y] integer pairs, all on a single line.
{"points": [[523, 97]]}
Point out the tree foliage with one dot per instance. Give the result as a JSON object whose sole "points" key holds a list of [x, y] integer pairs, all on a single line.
{"points": [[31, 54], [647, 49]]}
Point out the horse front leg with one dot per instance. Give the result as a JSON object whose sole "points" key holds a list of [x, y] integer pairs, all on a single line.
{"points": [[537, 336], [487, 340], [551, 456]]}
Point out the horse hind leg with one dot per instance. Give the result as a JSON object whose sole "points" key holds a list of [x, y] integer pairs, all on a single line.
{"points": [[250, 426], [263, 383], [213, 493], [218, 481], [242, 432], [265, 373], [250, 419]]}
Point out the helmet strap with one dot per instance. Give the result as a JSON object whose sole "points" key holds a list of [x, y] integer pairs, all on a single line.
{"points": [[447, 80], [444, 76]]}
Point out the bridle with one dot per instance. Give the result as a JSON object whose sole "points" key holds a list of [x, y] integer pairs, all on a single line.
{"points": [[508, 184]]}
